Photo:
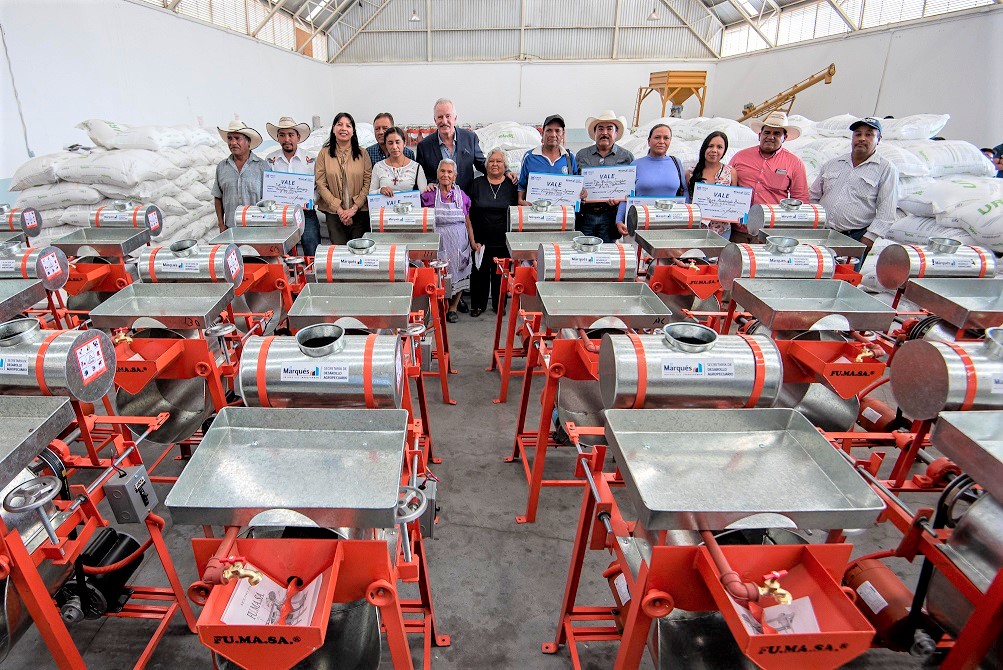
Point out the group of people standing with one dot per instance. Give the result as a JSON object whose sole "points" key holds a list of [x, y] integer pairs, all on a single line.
{"points": [[858, 190]]}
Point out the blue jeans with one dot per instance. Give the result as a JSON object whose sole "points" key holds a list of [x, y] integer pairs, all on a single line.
{"points": [[598, 222], [311, 232]]}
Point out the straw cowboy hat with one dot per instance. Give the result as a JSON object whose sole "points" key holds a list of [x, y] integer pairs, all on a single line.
{"points": [[287, 122], [777, 120], [608, 115], [240, 127]]}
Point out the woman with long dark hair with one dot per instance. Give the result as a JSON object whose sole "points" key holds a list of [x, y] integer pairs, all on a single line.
{"points": [[342, 174], [711, 169]]}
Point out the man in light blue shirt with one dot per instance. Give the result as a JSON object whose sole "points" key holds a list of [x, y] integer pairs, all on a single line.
{"points": [[550, 157]]}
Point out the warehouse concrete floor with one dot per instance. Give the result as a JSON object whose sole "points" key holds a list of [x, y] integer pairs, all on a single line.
{"points": [[497, 585]]}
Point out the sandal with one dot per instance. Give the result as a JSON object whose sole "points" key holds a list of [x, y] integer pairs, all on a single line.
{"points": [[452, 317]]}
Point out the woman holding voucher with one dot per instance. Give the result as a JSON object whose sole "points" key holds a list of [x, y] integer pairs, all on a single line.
{"points": [[490, 197], [396, 172], [658, 173], [711, 169], [343, 171], [452, 221]]}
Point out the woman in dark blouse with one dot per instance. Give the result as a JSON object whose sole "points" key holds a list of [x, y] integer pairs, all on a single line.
{"points": [[490, 198]]}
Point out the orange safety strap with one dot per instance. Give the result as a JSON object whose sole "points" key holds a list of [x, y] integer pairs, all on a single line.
{"points": [[821, 263], [557, 262], [40, 362], [564, 220], [424, 219], [212, 261], [647, 216], [642, 371], [815, 208], [330, 254], [10, 219], [24, 264], [689, 210], [284, 215], [922, 259], [135, 216], [773, 216], [971, 378], [261, 373], [623, 261], [243, 217], [519, 210], [983, 260], [752, 259], [393, 250], [97, 217], [381, 219], [759, 374], [367, 371], [153, 254]]}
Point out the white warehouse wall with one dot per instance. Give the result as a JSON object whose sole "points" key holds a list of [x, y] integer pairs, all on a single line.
{"points": [[116, 60], [950, 65], [524, 92]]}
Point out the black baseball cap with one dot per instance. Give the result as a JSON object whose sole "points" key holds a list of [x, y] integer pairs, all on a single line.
{"points": [[554, 118], [867, 121]]}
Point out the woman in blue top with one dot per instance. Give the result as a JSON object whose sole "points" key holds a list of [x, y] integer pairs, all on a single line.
{"points": [[658, 173]]}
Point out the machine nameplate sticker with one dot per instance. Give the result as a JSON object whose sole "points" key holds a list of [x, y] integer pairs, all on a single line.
{"points": [[675, 368], [310, 372]]}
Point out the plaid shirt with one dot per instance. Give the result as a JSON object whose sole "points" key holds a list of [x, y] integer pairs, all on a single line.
{"points": [[376, 153]]}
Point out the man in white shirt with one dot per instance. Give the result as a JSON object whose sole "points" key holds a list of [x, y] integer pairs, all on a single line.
{"points": [[859, 190], [290, 158]]}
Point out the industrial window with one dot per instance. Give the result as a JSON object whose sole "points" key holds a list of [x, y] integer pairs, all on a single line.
{"points": [[247, 16]]}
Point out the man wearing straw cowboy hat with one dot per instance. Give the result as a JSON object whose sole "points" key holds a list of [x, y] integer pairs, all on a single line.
{"points": [[239, 177], [598, 217], [772, 172], [290, 158]]}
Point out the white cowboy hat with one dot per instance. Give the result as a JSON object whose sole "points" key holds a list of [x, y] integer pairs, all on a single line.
{"points": [[608, 115], [240, 127], [287, 122], [777, 120]]}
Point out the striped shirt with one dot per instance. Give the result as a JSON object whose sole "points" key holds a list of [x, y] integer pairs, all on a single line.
{"points": [[859, 197], [238, 187]]}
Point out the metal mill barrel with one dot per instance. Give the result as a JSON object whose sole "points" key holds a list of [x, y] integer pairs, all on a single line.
{"points": [[47, 264], [269, 213], [688, 365], [790, 213], [942, 257], [361, 260], [664, 214], [403, 218], [128, 214], [27, 220], [322, 367], [75, 363], [779, 258], [586, 258], [541, 216], [186, 261], [930, 377]]}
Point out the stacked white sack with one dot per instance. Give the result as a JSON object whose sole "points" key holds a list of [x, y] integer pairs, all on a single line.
{"points": [[513, 138], [170, 166]]}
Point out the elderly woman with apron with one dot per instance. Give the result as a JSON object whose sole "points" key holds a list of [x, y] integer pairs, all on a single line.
{"points": [[452, 221]]}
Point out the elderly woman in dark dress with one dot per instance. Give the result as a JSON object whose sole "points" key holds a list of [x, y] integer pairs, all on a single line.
{"points": [[452, 221], [490, 195]]}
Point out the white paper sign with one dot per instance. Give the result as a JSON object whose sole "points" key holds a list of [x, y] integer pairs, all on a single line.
{"points": [[260, 605], [288, 188], [718, 202], [609, 183], [14, 365], [798, 617], [687, 368], [378, 200], [90, 360], [559, 189]]}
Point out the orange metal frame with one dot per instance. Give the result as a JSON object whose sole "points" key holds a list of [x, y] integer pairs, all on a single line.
{"points": [[568, 359], [516, 281], [74, 533], [427, 281]]}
